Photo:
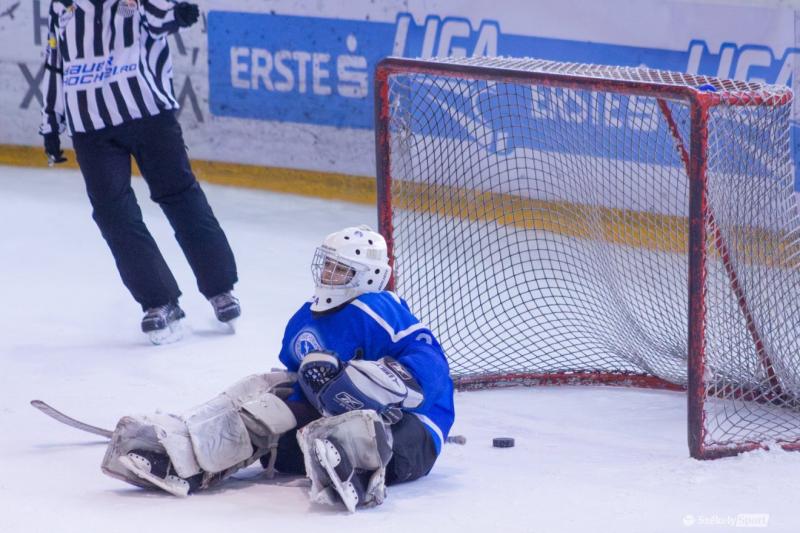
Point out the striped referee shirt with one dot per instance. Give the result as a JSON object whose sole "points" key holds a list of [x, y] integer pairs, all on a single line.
{"points": [[106, 62]]}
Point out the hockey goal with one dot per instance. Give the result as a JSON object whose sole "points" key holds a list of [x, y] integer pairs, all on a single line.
{"points": [[564, 223]]}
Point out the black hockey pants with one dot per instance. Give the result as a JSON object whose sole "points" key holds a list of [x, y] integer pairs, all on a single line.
{"points": [[157, 145], [413, 449]]}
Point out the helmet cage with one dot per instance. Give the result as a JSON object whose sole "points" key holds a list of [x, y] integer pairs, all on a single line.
{"points": [[330, 270]]}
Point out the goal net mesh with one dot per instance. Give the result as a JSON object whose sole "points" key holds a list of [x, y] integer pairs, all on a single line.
{"points": [[541, 229]]}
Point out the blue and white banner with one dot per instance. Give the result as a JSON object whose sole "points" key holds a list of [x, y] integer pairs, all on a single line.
{"points": [[288, 83], [315, 70], [293, 69]]}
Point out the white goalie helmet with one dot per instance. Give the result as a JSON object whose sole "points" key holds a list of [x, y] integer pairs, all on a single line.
{"points": [[349, 263]]}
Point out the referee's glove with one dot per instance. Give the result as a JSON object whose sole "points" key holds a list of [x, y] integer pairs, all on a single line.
{"points": [[186, 14], [52, 147]]}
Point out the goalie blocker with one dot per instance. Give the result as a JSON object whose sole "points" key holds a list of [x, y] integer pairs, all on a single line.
{"points": [[336, 387]]}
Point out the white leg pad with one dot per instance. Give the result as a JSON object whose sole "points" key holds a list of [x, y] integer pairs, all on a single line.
{"points": [[219, 436], [356, 432], [161, 433], [268, 416], [213, 437]]}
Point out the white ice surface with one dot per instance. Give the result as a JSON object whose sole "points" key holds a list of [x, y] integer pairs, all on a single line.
{"points": [[586, 459]]}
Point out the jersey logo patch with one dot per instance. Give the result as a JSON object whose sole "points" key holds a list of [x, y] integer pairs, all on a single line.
{"points": [[305, 343]]}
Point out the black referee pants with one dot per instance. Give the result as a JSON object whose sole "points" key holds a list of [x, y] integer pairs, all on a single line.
{"points": [[157, 145]]}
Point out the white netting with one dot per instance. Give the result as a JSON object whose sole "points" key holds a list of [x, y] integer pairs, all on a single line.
{"points": [[543, 230]]}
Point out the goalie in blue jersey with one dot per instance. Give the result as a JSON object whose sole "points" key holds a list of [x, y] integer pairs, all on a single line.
{"points": [[366, 400]]}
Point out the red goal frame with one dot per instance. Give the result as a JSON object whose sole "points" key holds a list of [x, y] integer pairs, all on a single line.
{"points": [[693, 153]]}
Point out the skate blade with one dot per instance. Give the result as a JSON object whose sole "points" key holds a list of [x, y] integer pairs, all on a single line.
{"points": [[173, 484], [172, 333], [223, 328], [346, 494], [230, 325]]}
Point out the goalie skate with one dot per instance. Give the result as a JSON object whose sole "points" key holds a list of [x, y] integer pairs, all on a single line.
{"points": [[147, 468], [349, 483]]}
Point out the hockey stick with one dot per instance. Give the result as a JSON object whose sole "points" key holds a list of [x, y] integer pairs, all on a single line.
{"points": [[83, 426], [68, 420]]}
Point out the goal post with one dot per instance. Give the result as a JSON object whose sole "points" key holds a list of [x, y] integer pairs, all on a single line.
{"points": [[563, 223]]}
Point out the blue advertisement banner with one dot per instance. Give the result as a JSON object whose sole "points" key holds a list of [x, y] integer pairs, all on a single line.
{"points": [[295, 69], [319, 71]]}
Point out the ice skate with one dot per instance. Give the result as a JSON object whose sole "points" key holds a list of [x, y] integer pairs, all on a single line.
{"points": [[226, 308], [163, 324], [348, 482], [156, 468]]}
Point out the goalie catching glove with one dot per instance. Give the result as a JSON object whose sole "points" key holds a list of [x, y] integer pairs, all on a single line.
{"points": [[335, 387]]}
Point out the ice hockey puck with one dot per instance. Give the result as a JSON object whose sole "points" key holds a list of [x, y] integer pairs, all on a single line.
{"points": [[503, 442]]}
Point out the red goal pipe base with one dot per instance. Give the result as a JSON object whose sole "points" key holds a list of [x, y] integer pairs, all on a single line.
{"points": [[718, 452], [528, 379]]}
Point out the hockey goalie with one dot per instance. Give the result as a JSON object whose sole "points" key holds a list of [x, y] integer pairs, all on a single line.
{"points": [[365, 401]]}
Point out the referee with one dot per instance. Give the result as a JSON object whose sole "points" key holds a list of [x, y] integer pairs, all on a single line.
{"points": [[108, 83]]}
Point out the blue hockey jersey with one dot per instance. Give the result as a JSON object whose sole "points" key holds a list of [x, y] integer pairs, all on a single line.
{"points": [[374, 325]]}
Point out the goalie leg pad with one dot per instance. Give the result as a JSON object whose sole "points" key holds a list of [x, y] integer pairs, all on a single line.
{"points": [[225, 430], [254, 385], [364, 439], [214, 438], [267, 416], [219, 436], [159, 433]]}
